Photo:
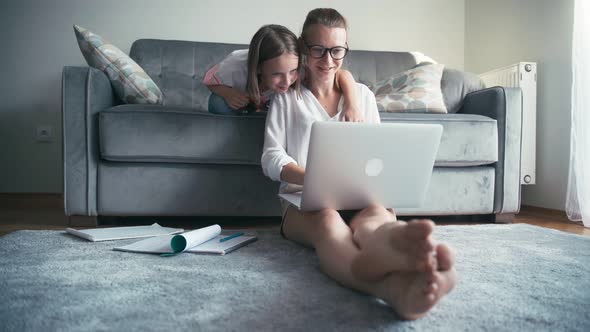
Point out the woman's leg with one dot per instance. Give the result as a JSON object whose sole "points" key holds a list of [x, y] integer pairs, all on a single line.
{"points": [[411, 294], [328, 234]]}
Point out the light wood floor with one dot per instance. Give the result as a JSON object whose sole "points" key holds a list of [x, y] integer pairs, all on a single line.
{"points": [[45, 212]]}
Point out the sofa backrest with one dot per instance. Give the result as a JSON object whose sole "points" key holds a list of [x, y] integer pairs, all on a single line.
{"points": [[178, 67]]}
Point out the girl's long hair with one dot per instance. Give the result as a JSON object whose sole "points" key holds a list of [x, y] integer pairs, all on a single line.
{"points": [[270, 41]]}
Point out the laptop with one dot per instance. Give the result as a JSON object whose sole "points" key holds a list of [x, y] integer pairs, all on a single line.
{"points": [[353, 165]]}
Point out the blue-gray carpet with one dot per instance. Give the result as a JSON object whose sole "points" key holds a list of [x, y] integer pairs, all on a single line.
{"points": [[511, 278]]}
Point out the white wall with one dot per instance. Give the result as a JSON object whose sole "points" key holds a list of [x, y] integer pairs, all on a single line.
{"points": [[502, 32], [38, 40]]}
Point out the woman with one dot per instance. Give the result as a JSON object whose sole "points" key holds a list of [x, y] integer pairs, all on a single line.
{"points": [[367, 250]]}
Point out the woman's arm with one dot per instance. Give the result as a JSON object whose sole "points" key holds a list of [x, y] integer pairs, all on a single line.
{"points": [[274, 158], [347, 84]]}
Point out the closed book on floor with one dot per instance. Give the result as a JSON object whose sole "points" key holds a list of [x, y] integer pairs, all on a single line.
{"points": [[121, 233]]}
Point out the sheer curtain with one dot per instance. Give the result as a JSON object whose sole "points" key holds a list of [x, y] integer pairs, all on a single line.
{"points": [[578, 193]]}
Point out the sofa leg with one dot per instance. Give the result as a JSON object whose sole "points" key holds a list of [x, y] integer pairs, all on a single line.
{"points": [[82, 221], [504, 218]]}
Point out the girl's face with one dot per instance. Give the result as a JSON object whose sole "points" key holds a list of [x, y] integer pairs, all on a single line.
{"points": [[321, 36], [277, 74]]}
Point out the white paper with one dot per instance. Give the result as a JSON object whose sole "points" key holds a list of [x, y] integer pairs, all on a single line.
{"points": [[201, 235], [154, 245]]}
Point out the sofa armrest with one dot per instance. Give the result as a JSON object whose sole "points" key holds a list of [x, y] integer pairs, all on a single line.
{"points": [[85, 92], [505, 106]]}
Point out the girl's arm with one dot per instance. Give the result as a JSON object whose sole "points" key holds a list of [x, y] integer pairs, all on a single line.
{"points": [[347, 84], [221, 79], [235, 99]]}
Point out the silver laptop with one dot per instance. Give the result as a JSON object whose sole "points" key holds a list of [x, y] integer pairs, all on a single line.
{"points": [[353, 165]]}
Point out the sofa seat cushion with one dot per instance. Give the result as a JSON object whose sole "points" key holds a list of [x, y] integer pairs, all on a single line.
{"points": [[467, 140], [155, 133]]}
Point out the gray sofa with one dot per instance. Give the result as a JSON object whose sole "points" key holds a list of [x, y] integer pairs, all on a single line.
{"points": [[176, 159]]}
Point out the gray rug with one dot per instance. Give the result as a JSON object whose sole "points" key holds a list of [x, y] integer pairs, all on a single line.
{"points": [[511, 277]]}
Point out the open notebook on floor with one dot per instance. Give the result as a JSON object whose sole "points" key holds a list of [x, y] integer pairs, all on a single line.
{"points": [[208, 240]]}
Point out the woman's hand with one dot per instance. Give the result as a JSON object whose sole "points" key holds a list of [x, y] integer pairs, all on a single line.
{"points": [[293, 173]]}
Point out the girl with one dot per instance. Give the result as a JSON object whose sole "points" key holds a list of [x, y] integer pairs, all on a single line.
{"points": [[246, 79], [367, 250]]}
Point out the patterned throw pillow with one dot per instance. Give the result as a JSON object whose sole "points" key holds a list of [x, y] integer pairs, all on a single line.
{"points": [[131, 84], [416, 90]]}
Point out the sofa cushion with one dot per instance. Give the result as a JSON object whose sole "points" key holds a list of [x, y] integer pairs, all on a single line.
{"points": [[467, 140], [154, 133], [414, 90], [131, 84], [457, 190]]}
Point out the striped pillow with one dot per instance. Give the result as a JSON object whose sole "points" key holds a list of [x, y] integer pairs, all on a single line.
{"points": [[131, 83], [416, 90]]}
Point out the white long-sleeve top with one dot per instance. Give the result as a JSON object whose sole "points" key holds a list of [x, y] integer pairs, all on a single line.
{"points": [[288, 128]]}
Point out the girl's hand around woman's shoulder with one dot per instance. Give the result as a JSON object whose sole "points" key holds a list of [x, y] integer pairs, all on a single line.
{"points": [[351, 114]]}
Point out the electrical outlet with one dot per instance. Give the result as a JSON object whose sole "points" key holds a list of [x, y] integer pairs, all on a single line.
{"points": [[44, 133]]}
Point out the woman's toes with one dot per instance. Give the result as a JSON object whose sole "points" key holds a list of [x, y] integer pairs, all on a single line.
{"points": [[444, 257], [419, 229]]}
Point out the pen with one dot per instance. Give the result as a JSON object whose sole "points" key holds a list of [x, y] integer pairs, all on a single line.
{"points": [[231, 236]]}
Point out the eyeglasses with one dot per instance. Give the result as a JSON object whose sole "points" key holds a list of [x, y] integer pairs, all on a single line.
{"points": [[318, 51]]}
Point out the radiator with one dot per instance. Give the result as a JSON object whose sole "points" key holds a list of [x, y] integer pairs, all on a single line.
{"points": [[521, 75]]}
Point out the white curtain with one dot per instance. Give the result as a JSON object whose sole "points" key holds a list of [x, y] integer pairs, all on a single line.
{"points": [[578, 194]]}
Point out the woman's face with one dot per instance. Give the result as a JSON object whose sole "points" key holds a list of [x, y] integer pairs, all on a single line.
{"points": [[324, 68]]}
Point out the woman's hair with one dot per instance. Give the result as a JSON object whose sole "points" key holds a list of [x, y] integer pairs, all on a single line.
{"points": [[269, 42], [325, 16]]}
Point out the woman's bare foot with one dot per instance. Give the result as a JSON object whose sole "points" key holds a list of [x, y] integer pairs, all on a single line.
{"points": [[413, 294], [396, 246]]}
